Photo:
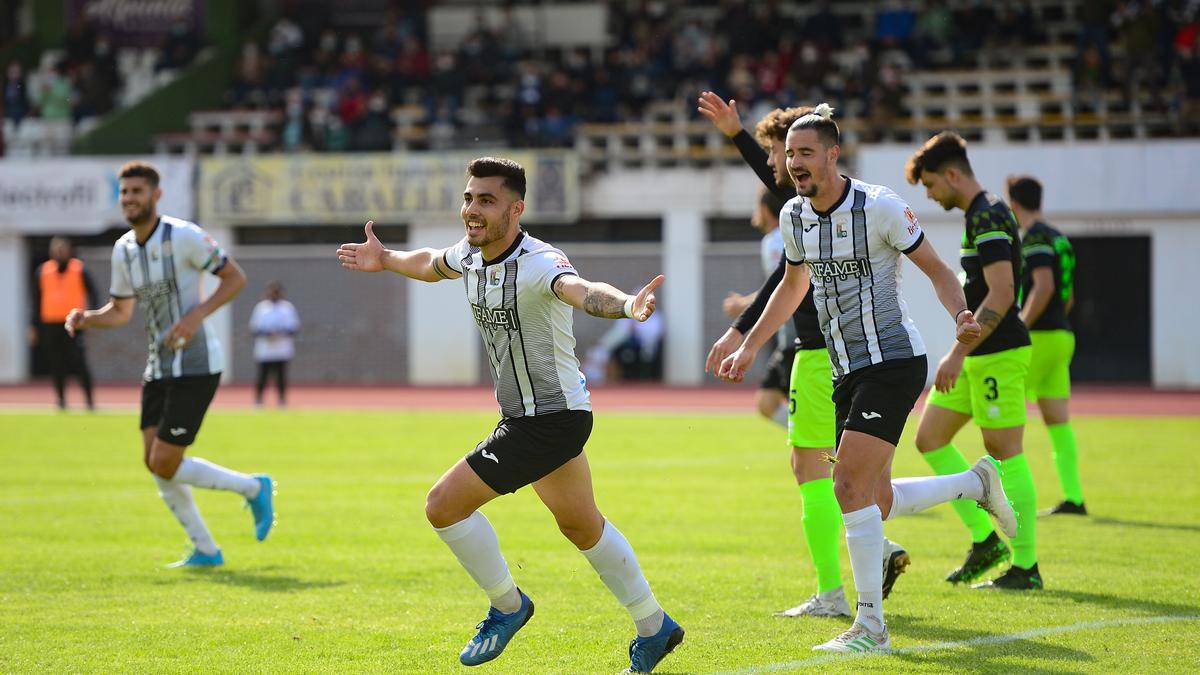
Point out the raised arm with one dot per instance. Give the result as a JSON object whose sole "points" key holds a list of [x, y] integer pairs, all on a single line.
{"points": [[604, 300], [724, 116], [423, 264]]}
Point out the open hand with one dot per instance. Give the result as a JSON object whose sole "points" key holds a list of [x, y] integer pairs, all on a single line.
{"points": [[643, 303], [723, 115], [364, 257]]}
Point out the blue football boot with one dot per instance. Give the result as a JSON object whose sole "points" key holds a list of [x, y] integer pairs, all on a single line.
{"points": [[495, 632], [263, 506], [646, 652], [198, 559]]}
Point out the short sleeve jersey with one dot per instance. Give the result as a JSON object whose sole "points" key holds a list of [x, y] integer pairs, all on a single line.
{"points": [[992, 235], [1044, 246], [853, 257], [527, 330], [165, 274], [770, 251]]}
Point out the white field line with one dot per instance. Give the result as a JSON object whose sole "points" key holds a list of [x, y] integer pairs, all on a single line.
{"points": [[983, 640]]}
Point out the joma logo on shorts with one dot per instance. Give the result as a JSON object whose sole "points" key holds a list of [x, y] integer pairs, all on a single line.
{"points": [[495, 317], [827, 270]]}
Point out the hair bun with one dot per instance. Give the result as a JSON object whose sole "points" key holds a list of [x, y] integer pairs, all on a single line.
{"points": [[823, 110]]}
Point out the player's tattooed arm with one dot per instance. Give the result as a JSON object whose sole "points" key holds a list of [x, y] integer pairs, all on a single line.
{"points": [[605, 301], [988, 317]]}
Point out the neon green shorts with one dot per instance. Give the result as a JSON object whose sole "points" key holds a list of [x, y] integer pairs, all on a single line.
{"points": [[1050, 367], [810, 406], [991, 389]]}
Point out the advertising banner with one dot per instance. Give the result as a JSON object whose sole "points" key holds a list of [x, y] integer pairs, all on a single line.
{"points": [[385, 187], [80, 195], [137, 23]]}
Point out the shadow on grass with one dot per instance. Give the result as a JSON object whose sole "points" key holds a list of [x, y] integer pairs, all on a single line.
{"points": [[1149, 607], [1145, 524], [261, 579]]}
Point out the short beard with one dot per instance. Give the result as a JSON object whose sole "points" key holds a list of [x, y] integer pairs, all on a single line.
{"points": [[141, 217]]}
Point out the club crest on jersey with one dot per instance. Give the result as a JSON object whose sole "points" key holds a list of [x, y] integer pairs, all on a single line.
{"points": [[154, 253], [829, 270], [841, 229], [494, 275], [912, 220], [495, 318]]}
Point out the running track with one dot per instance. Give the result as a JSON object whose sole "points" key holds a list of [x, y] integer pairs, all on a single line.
{"points": [[1086, 400]]}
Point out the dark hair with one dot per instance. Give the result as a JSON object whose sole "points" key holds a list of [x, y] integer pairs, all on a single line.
{"points": [[139, 169], [768, 199], [944, 149], [775, 124], [821, 121], [487, 167], [1025, 191]]}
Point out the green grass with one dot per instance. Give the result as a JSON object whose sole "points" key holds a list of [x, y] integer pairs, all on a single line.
{"points": [[353, 578]]}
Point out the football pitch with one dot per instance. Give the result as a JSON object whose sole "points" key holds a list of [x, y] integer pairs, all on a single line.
{"points": [[353, 579]]}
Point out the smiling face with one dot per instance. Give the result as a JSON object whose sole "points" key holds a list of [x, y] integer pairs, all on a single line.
{"points": [[810, 164], [139, 199], [490, 212]]}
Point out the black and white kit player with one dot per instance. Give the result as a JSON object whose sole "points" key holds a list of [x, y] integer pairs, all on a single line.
{"points": [[160, 264], [522, 293]]}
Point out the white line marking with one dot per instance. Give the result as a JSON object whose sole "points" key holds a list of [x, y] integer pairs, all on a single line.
{"points": [[973, 642]]}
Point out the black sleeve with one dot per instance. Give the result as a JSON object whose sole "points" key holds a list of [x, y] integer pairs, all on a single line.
{"points": [[90, 288], [750, 315], [756, 157], [35, 304]]}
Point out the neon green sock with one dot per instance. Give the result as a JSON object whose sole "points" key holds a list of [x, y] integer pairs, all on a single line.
{"points": [[947, 460], [823, 531], [1066, 459], [1018, 485]]}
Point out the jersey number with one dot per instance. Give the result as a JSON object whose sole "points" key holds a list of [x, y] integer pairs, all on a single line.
{"points": [[993, 391]]}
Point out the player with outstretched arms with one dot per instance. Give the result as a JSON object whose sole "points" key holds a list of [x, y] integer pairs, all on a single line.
{"points": [[847, 237], [522, 292]]}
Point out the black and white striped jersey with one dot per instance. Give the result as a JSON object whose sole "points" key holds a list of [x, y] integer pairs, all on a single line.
{"points": [[527, 330], [165, 275], [853, 257]]}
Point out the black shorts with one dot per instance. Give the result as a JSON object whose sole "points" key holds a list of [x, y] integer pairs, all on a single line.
{"points": [[177, 405], [522, 450], [779, 369], [876, 400]]}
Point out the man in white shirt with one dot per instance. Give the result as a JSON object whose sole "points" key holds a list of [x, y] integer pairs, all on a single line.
{"points": [[274, 323]]}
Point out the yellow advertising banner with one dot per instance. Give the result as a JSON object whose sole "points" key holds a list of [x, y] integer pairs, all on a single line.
{"points": [[385, 187]]}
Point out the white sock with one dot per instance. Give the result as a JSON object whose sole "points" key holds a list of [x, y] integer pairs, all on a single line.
{"points": [[205, 474], [178, 497], [913, 495], [614, 560], [473, 541], [864, 538], [780, 416]]}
